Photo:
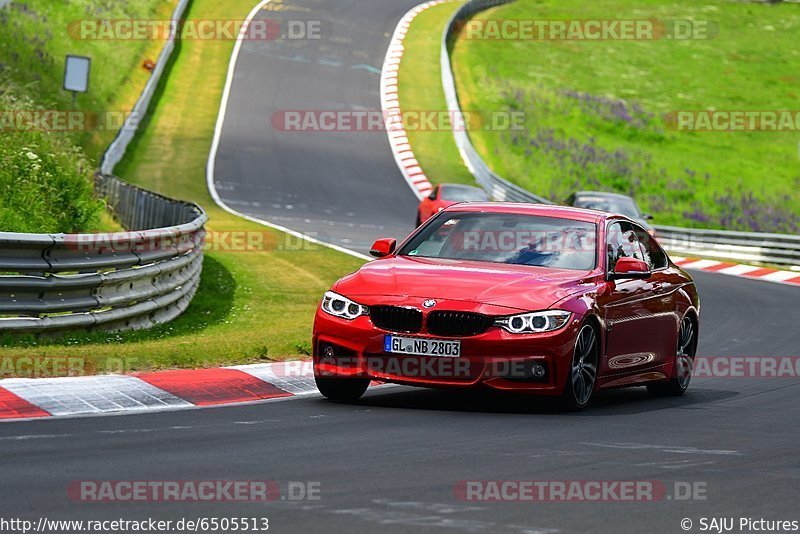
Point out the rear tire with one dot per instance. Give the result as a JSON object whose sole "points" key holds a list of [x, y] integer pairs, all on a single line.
{"points": [[583, 370], [341, 389], [684, 363]]}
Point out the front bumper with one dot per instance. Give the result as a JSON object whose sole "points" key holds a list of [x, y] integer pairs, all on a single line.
{"points": [[495, 358]]}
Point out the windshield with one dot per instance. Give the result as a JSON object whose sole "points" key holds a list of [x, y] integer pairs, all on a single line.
{"points": [[462, 193], [623, 205], [507, 238]]}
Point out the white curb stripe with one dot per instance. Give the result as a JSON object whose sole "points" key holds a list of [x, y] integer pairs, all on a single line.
{"points": [[780, 276], [765, 274], [295, 377], [701, 264], [92, 394], [738, 270]]}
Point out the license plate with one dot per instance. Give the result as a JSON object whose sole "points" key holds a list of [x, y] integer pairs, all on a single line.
{"points": [[422, 347]]}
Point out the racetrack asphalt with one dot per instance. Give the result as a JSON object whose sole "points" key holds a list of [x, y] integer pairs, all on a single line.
{"points": [[390, 462], [340, 187]]}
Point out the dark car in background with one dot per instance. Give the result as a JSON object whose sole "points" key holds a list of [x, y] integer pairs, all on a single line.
{"points": [[613, 203]]}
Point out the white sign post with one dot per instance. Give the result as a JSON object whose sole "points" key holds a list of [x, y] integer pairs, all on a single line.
{"points": [[76, 75]]}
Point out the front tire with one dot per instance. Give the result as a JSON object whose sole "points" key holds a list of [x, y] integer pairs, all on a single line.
{"points": [[341, 389], [684, 363], [583, 370]]}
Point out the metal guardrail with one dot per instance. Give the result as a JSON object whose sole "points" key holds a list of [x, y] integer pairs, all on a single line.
{"points": [[779, 249], [116, 150], [741, 246], [51, 283], [118, 281]]}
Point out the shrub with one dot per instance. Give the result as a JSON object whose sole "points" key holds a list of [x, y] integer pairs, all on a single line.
{"points": [[45, 180]]}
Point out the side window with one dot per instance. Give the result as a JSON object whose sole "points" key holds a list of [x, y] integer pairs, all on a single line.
{"points": [[654, 255], [622, 243]]}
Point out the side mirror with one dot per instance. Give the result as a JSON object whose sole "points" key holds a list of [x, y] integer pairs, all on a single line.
{"points": [[630, 268], [647, 216], [383, 247]]}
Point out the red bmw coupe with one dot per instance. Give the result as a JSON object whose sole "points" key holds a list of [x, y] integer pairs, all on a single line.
{"points": [[548, 300]]}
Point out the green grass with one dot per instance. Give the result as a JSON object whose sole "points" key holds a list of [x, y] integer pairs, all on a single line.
{"points": [[36, 37], [576, 94], [46, 175], [45, 181], [251, 306]]}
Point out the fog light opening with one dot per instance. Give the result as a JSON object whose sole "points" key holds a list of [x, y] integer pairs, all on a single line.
{"points": [[538, 371]]}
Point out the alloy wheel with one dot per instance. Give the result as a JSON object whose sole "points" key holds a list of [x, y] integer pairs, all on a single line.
{"points": [[684, 359], [584, 365]]}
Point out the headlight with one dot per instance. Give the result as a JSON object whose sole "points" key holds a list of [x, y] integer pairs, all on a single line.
{"points": [[339, 306], [530, 323]]}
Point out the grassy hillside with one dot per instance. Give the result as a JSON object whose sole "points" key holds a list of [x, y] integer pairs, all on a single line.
{"points": [[45, 165], [252, 305], [36, 36], [596, 110], [44, 179], [598, 113]]}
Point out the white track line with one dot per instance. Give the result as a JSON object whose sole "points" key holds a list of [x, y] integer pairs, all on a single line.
{"points": [[212, 156]]}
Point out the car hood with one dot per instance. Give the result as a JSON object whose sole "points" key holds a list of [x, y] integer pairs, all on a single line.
{"points": [[521, 287]]}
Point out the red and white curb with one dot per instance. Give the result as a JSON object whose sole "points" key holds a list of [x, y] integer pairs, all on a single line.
{"points": [[390, 105], [23, 398], [736, 269], [30, 398]]}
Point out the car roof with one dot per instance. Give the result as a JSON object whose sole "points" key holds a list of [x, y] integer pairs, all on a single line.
{"points": [[542, 210], [601, 194], [461, 186]]}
